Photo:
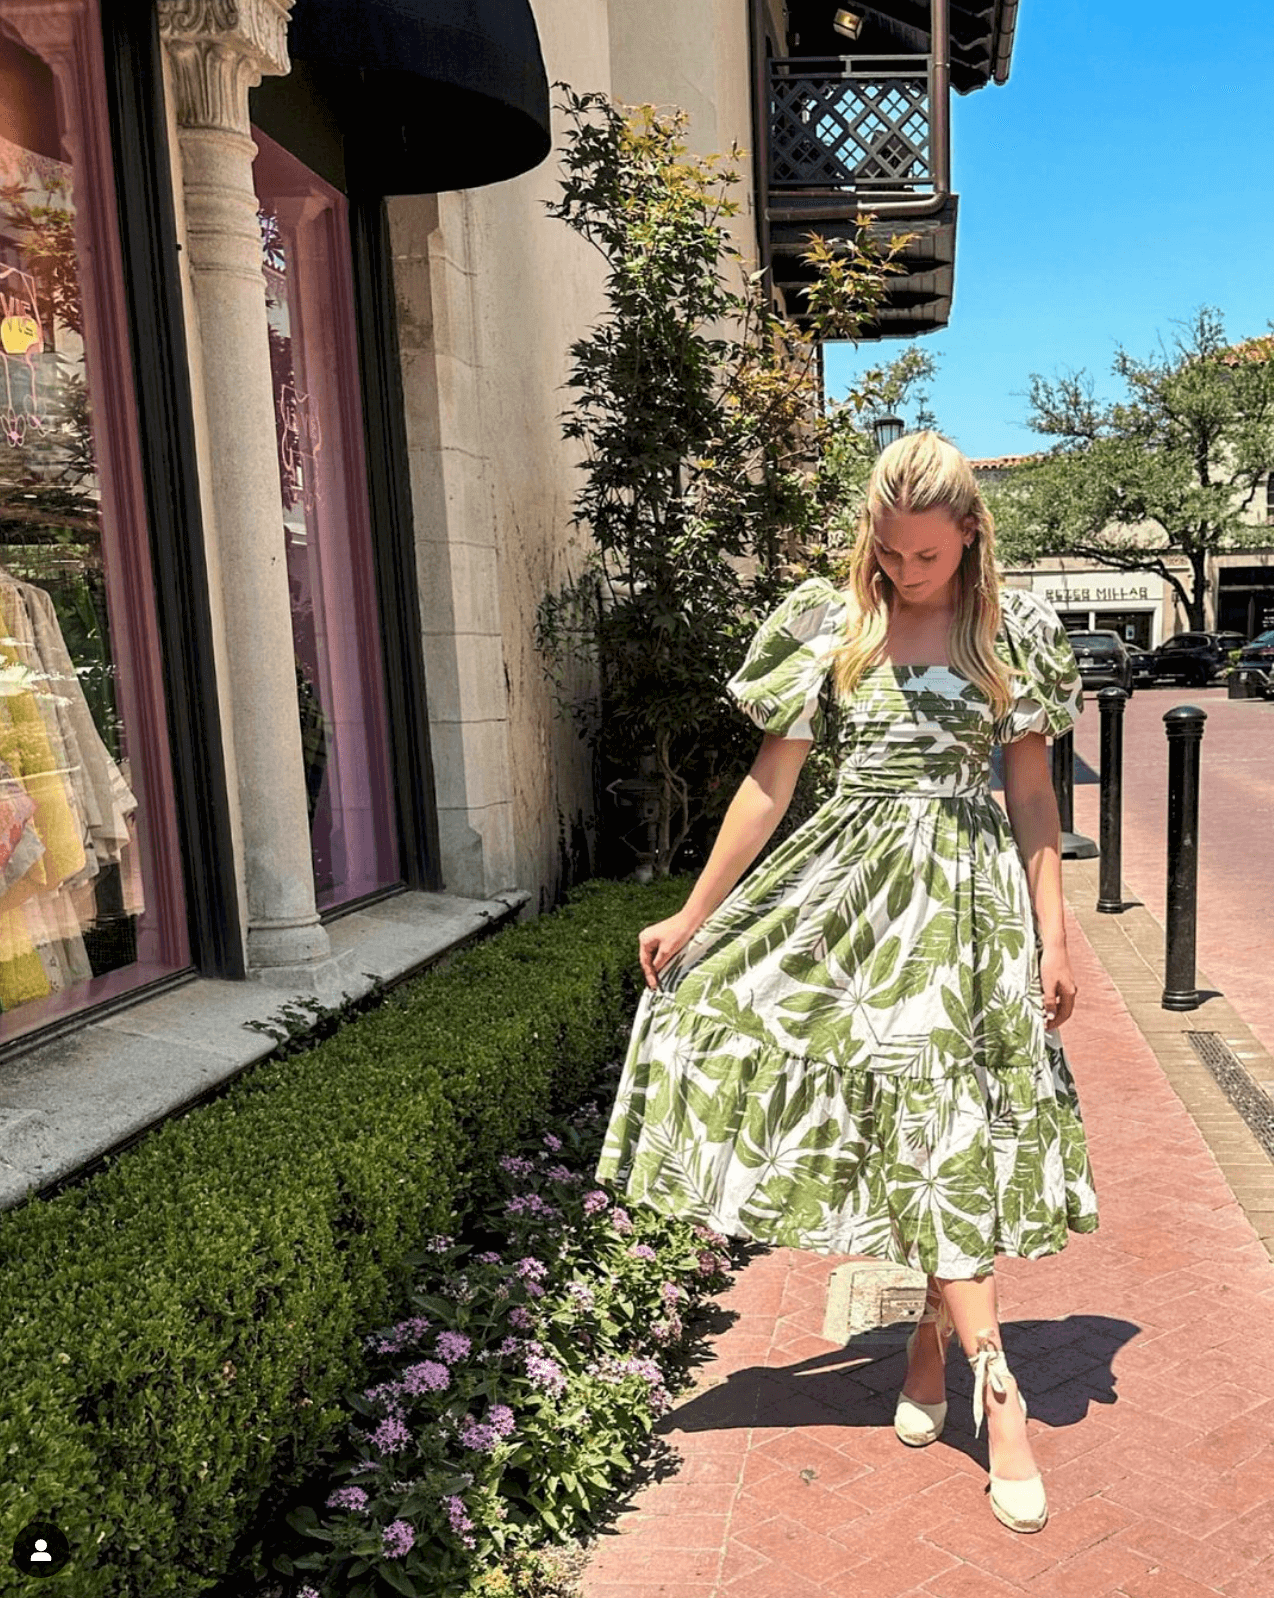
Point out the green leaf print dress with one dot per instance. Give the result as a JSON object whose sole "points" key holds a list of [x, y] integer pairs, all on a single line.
{"points": [[850, 1054]]}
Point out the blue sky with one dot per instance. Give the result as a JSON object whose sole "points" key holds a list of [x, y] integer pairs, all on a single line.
{"points": [[1123, 176]]}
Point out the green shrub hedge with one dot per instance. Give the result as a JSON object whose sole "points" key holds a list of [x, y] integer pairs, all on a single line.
{"points": [[177, 1330]]}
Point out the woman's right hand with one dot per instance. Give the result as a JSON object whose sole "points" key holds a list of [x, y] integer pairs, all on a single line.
{"points": [[658, 943]]}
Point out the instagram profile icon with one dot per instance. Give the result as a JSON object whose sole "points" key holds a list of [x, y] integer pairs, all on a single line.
{"points": [[40, 1549]]}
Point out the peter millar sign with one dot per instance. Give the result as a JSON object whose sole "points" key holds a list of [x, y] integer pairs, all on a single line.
{"points": [[1095, 593]]}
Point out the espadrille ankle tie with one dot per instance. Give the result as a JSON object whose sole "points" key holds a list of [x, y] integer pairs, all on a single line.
{"points": [[989, 1365]]}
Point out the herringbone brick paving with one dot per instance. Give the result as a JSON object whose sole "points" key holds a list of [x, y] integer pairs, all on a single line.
{"points": [[1146, 1354]]}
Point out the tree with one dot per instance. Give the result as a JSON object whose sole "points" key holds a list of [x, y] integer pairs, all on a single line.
{"points": [[1165, 473], [698, 411]]}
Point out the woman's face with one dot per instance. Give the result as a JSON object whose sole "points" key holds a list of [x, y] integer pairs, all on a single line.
{"points": [[920, 552]]}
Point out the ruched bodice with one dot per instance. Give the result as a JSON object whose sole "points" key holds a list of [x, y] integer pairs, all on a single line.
{"points": [[925, 731]]}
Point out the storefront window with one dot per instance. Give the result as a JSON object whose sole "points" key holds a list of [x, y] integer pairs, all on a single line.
{"points": [[326, 528], [90, 897]]}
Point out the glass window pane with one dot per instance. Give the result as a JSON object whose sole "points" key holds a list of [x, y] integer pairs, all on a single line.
{"points": [[326, 526], [90, 885]]}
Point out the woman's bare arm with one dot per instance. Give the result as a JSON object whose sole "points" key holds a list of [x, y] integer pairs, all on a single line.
{"points": [[756, 809], [1032, 810]]}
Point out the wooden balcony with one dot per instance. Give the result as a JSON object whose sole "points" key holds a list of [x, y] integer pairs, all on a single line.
{"points": [[838, 135], [845, 138]]}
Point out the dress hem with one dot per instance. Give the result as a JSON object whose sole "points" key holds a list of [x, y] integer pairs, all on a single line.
{"points": [[1080, 1225]]}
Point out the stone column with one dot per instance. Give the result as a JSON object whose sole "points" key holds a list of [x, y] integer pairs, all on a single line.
{"points": [[219, 49]]}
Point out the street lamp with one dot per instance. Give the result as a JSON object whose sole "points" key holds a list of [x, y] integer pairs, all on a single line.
{"points": [[848, 22], [887, 430]]}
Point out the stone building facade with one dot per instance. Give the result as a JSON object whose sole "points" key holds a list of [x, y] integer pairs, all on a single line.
{"points": [[282, 483]]}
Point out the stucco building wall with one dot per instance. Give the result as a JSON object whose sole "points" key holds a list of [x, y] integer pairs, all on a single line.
{"points": [[492, 291]]}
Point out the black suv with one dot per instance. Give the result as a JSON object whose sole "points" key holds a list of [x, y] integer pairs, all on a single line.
{"points": [[1102, 660], [1194, 658]]}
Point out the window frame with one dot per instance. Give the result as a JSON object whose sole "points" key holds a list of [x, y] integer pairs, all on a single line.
{"points": [[166, 429], [307, 101]]}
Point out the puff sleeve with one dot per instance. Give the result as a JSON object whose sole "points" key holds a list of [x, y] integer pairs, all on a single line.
{"points": [[787, 662], [1036, 647]]}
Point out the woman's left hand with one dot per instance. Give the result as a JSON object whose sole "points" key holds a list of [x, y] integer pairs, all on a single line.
{"points": [[1058, 983]]}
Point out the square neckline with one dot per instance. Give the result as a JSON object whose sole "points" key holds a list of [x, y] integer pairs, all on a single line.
{"points": [[891, 665]]}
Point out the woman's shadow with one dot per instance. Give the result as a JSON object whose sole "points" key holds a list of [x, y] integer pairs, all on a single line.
{"points": [[1064, 1367]]}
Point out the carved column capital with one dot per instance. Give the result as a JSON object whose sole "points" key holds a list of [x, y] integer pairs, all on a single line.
{"points": [[220, 49]]}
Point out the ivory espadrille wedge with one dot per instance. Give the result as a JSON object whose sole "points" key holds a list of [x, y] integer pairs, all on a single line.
{"points": [[1019, 1505], [919, 1424]]}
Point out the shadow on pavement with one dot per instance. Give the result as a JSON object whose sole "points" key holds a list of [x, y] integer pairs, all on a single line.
{"points": [[1063, 1366]]}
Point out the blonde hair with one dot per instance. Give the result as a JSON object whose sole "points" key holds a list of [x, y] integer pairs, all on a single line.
{"points": [[919, 472]]}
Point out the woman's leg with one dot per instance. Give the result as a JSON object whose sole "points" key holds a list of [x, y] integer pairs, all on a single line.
{"points": [[971, 1304], [926, 1381]]}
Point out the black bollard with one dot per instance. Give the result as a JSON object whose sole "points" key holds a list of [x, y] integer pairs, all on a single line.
{"points": [[1074, 845], [1111, 702], [1184, 726]]}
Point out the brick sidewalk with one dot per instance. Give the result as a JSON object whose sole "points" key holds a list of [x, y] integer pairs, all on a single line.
{"points": [[1146, 1354]]}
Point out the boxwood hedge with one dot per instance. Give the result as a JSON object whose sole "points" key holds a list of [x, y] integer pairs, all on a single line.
{"points": [[176, 1330]]}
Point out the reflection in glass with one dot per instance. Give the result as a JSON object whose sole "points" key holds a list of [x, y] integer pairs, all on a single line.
{"points": [[326, 532], [82, 738]]}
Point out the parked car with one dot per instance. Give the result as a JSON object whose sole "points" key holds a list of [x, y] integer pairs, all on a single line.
{"points": [[1194, 658], [1259, 652], [1142, 663], [1102, 660]]}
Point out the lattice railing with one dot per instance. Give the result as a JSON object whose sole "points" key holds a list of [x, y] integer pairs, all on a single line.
{"points": [[837, 127]]}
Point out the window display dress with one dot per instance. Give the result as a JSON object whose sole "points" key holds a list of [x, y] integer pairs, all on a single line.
{"points": [[850, 1053]]}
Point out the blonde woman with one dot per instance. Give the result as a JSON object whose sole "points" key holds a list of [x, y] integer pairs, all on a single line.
{"points": [[856, 1050]]}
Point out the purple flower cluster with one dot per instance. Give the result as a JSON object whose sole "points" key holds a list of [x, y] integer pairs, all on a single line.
{"points": [[516, 1165], [532, 1204], [671, 1293], [391, 1436], [552, 1144], [642, 1251], [621, 1221], [426, 1376], [613, 1369], [595, 1201], [560, 1173], [459, 1519], [439, 1244], [668, 1329], [521, 1317], [489, 1258], [347, 1498], [397, 1538], [383, 1393], [546, 1374], [408, 1331], [453, 1346], [485, 1436]]}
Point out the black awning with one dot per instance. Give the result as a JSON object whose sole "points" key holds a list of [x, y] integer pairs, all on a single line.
{"points": [[443, 94]]}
